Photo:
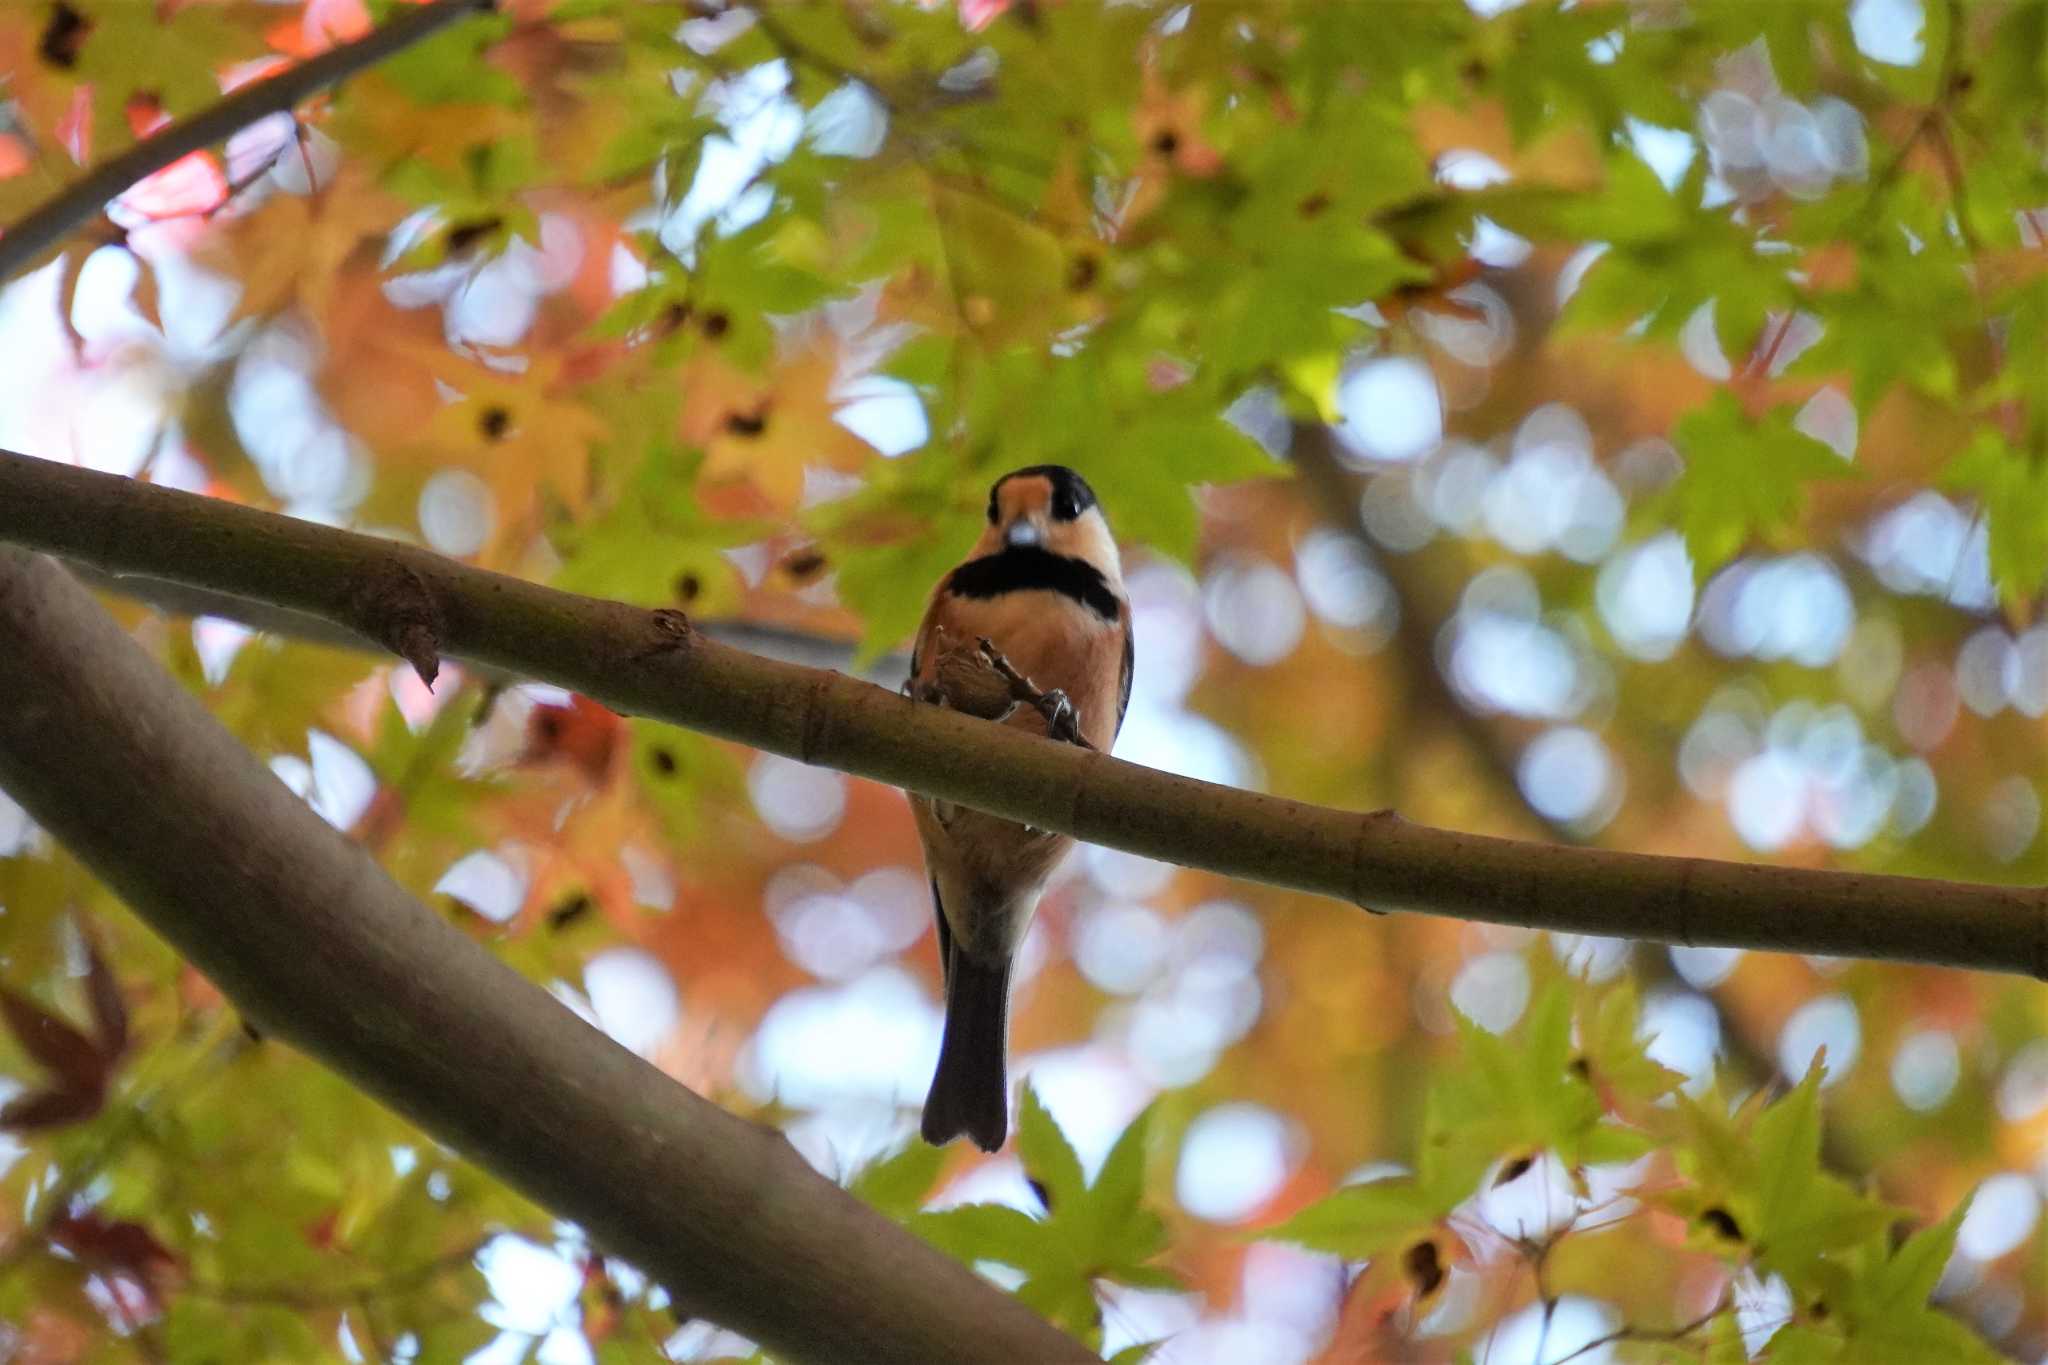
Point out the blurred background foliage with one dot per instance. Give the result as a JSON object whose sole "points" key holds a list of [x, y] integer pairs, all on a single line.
{"points": [[1610, 422]]}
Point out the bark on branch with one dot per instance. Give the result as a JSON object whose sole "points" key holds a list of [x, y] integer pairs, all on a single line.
{"points": [[654, 664], [306, 934], [791, 644]]}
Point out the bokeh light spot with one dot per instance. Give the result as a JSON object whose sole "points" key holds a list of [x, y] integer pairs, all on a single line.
{"points": [[1390, 409], [1233, 1160], [1568, 777], [1925, 1069], [2002, 1213], [457, 512], [1829, 1022], [799, 802], [1492, 990], [633, 996], [1254, 610]]}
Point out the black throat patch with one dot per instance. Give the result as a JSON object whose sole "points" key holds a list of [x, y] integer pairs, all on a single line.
{"points": [[1024, 567]]}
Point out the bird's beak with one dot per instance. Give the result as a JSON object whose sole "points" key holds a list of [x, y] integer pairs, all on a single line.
{"points": [[1021, 532]]}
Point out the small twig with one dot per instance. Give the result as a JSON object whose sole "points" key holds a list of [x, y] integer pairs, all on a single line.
{"points": [[238, 187], [338, 1296], [1538, 1254], [1631, 1333], [798, 53], [1758, 371]]}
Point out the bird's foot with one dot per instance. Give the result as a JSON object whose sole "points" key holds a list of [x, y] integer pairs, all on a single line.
{"points": [[1062, 719]]}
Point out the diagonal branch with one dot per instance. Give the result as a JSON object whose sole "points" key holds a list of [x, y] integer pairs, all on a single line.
{"points": [[50, 223], [656, 664], [315, 943]]}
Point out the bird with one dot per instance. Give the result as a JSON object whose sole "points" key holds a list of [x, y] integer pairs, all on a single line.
{"points": [[1032, 629]]}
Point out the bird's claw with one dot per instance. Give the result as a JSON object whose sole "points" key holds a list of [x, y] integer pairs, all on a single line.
{"points": [[1062, 720]]}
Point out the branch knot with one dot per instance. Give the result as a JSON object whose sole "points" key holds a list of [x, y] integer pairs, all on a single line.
{"points": [[395, 607]]}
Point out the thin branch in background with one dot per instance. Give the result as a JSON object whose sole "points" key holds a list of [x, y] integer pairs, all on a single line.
{"points": [[238, 187], [1653, 1334], [338, 1296], [48, 225], [798, 53]]}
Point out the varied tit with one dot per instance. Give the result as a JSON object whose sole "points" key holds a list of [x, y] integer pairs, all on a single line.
{"points": [[1044, 586]]}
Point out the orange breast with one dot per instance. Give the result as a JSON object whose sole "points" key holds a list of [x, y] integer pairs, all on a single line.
{"points": [[1051, 639]]}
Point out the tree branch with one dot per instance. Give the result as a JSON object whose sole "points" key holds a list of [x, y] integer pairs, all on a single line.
{"points": [[656, 664], [316, 944], [1336, 493], [787, 643], [49, 224]]}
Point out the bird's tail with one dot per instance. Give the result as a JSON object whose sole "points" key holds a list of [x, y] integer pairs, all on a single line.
{"points": [[970, 1093]]}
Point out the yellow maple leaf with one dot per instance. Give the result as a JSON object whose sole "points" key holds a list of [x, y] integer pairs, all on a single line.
{"points": [[768, 431]]}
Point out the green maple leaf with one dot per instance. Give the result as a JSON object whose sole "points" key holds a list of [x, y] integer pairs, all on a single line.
{"points": [[130, 48], [1925, 277], [897, 1184], [1877, 1301], [654, 544], [2013, 491], [449, 67], [1614, 1048], [1758, 1190], [1665, 259], [1802, 1214], [1742, 479], [1359, 1222], [1508, 1097], [1090, 1231], [1517, 1097]]}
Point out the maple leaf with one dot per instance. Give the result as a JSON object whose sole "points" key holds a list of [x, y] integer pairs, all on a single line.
{"points": [[80, 1063], [1090, 1232], [291, 252], [768, 433], [1742, 478], [117, 1244], [521, 434], [2012, 488]]}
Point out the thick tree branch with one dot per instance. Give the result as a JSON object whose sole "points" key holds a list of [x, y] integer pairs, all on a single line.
{"points": [[787, 643], [655, 664], [307, 935], [183, 599], [28, 239]]}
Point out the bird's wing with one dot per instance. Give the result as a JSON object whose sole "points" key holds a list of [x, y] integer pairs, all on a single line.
{"points": [[1123, 686]]}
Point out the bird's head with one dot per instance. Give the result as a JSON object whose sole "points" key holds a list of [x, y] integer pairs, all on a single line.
{"points": [[1052, 508]]}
